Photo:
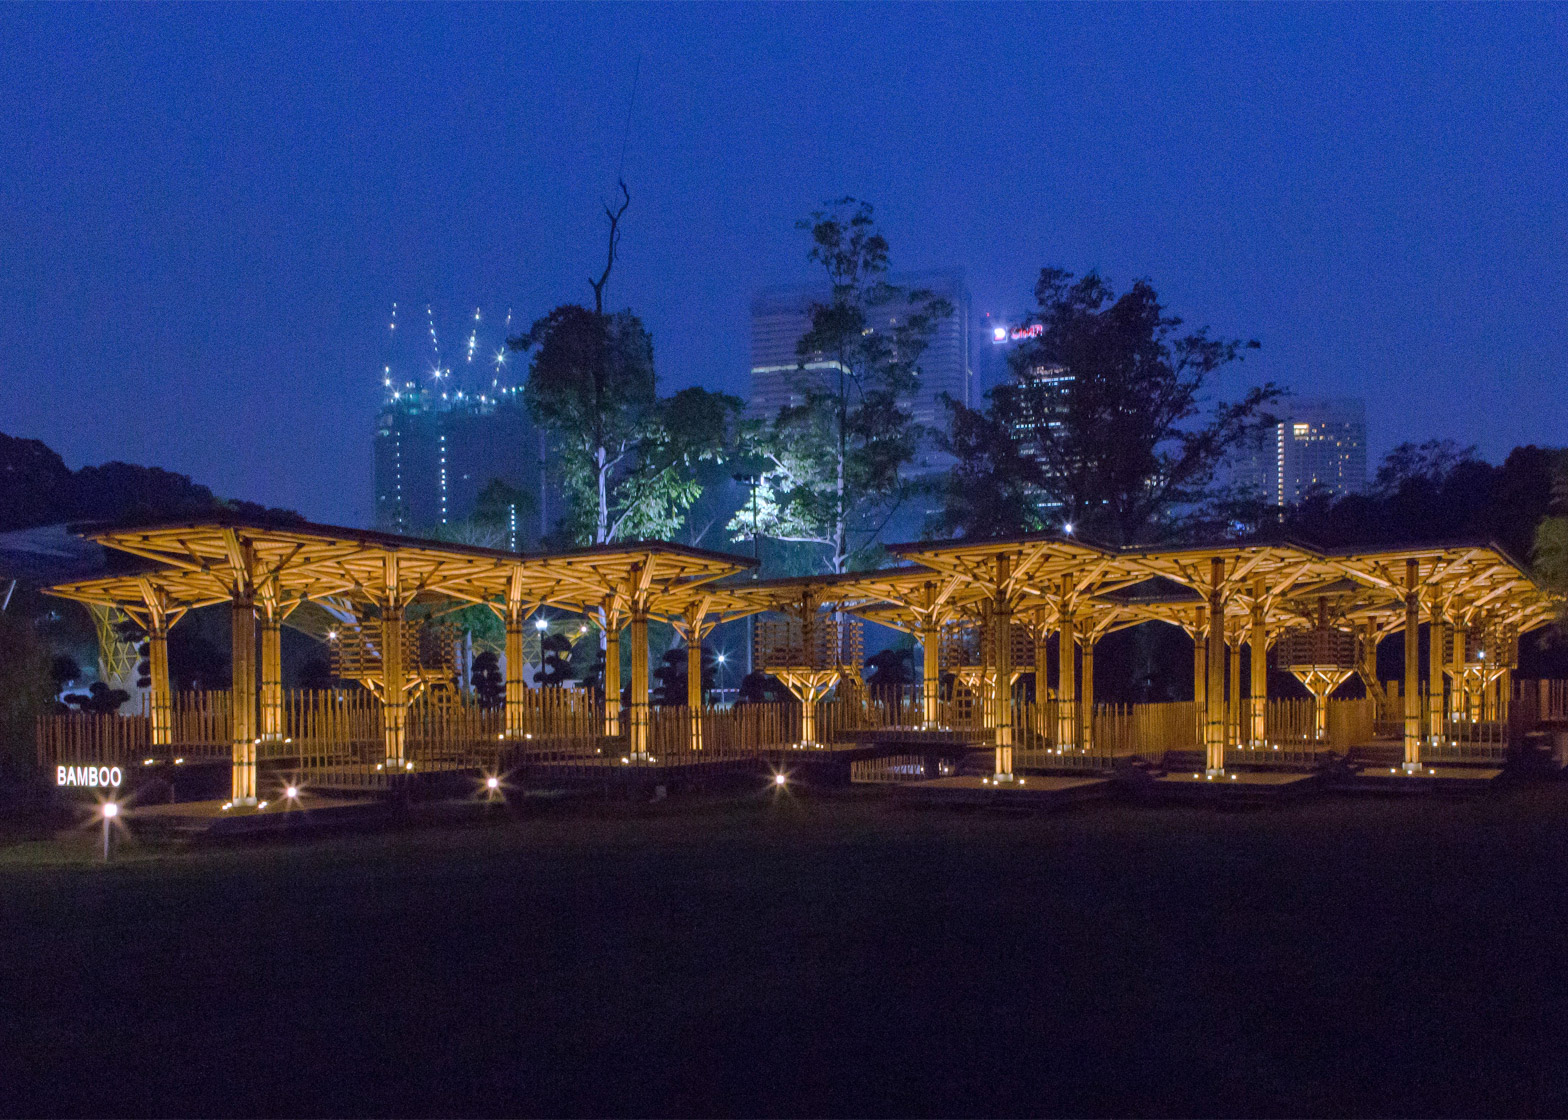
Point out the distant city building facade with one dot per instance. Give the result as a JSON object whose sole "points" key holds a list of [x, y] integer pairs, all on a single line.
{"points": [[1318, 445], [434, 456], [780, 317]]}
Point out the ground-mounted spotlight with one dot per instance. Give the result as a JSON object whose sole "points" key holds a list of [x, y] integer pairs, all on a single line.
{"points": [[291, 793], [781, 779], [492, 784]]}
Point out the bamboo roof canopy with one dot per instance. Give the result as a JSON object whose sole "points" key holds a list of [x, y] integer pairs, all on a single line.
{"points": [[200, 563], [191, 564]]}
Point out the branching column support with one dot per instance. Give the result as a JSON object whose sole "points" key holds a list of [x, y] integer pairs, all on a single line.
{"points": [[1002, 689], [1042, 661], [1258, 654], [242, 698], [1434, 675], [158, 672], [1214, 691], [1412, 665], [1366, 664], [930, 675], [394, 695], [694, 628], [638, 723]]}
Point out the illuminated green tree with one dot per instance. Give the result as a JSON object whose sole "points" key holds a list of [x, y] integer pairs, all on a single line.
{"points": [[833, 463]]}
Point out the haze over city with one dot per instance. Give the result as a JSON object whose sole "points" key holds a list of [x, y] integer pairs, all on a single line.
{"points": [[207, 213]]}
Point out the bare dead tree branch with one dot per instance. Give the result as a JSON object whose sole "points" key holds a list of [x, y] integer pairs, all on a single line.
{"points": [[598, 286]]}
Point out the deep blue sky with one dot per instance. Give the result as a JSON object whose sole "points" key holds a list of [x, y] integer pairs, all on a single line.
{"points": [[206, 212]]}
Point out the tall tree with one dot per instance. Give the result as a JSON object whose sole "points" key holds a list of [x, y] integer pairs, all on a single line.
{"points": [[833, 462], [1113, 386], [626, 455], [1551, 541]]}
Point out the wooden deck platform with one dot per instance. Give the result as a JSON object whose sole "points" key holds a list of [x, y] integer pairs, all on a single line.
{"points": [[213, 818], [1232, 786], [1024, 793], [1430, 779]]}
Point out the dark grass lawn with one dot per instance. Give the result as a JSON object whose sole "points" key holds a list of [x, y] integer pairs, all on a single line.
{"points": [[810, 956]]}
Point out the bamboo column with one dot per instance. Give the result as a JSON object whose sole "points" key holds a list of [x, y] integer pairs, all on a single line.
{"points": [[1214, 690], [1459, 705], [1412, 666], [1258, 653], [931, 675], [612, 678], [394, 705], [1086, 694], [1200, 662], [242, 699], [1067, 674], [158, 671], [1233, 692], [694, 682], [516, 698], [1434, 675], [1042, 661], [1002, 690], [271, 673], [639, 700]]}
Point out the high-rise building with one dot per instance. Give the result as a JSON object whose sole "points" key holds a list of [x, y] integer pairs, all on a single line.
{"points": [[1318, 445], [452, 421], [435, 453], [781, 316]]}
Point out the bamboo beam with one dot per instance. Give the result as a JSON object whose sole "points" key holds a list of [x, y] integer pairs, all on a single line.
{"points": [[1412, 665], [394, 701]]}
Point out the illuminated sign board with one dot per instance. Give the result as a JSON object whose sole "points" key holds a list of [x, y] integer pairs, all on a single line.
{"points": [[94, 777], [1016, 334]]}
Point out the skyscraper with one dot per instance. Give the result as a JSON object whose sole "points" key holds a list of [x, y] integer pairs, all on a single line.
{"points": [[1317, 445], [443, 435], [434, 454], [780, 316]]}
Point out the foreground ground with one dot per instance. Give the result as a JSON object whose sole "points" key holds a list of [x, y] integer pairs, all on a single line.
{"points": [[809, 956]]}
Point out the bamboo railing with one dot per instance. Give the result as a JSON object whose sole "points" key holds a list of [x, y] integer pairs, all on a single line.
{"points": [[337, 736]]}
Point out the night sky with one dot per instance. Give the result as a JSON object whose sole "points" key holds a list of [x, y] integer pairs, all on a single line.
{"points": [[207, 212]]}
